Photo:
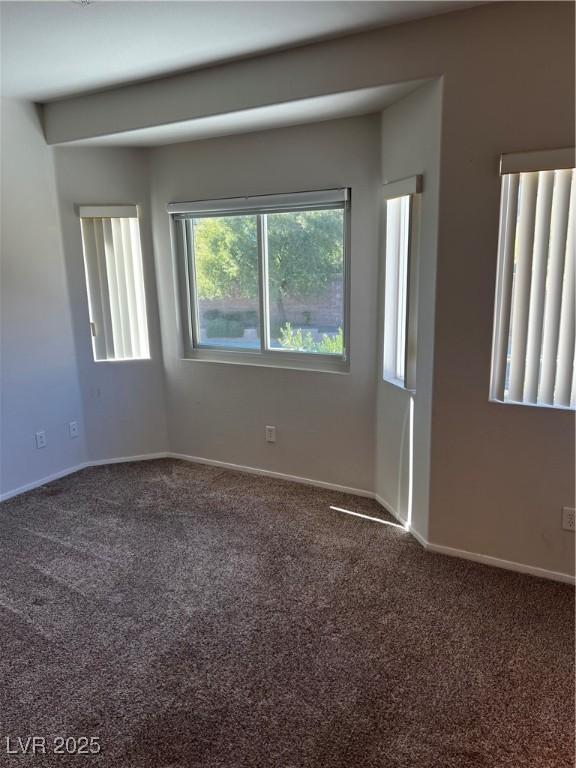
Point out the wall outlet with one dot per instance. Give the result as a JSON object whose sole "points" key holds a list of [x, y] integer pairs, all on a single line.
{"points": [[569, 518], [73, 429], [270, 434], [41, 439]]}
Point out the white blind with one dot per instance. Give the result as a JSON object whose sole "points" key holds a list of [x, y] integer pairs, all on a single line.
{"points": [[534, 333], [329, 198], [115, 283]]}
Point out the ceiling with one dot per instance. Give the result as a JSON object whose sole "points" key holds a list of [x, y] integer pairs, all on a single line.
{"points": [[55, 49]]}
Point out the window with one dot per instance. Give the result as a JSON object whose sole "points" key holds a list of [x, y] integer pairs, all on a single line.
{"points": [[399, 359], [533, 347], [264, 279], [115, 282]]}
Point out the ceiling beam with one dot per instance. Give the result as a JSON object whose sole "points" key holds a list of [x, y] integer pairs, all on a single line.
{"points": [[396, 54]]}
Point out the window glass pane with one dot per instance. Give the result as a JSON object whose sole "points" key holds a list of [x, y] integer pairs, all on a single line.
{"points": [[306, 281], [226, 272], [396, 288]]}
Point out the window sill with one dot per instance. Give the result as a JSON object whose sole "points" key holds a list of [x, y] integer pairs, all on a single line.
{"points": [[284, 360], [399, 384], [539, 406], [125, 360]]}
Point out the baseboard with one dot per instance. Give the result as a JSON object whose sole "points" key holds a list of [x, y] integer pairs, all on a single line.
{"points": [[440, 549], [128, 459], [496, 562], [193, 460], [475, 557], [419, 538], [43, 480], [277, 475], [71, 470], [391, 510]]}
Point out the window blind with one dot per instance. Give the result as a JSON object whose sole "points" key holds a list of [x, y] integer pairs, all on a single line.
{"points": [[534, 332], [115, 285], [294, 201]]}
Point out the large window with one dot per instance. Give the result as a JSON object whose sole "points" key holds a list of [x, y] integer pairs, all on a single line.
{"points": [[115, 282], [400, 285], [533, 350], [264, 277]]}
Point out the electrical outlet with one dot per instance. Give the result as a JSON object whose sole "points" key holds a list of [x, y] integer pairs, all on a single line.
{"points": [[73, 429], [568, 518], [41, 439], [270, 434]]}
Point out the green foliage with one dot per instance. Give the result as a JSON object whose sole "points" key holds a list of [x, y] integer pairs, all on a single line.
{"points": [[224, 327], [229, 325], [226, 257], [331, 345], [212, 314], [302, 341], [304, 251]]}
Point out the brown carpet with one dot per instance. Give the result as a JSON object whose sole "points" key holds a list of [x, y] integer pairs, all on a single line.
{"points": [[190, 616]]}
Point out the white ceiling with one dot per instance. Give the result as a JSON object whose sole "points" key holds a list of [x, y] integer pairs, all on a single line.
{"points": [[56, 49]]}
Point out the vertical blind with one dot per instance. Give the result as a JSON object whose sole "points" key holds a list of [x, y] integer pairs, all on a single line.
{"points": [[534, 331], [115, 283]]}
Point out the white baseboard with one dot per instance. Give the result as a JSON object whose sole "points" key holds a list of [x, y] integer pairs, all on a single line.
{"points": [[76, 468], [128, 459], [419, 538], [193, 460], [391, 509], [440, 549], [277, 475], [496, 562], [475, 557], [43, 480]]}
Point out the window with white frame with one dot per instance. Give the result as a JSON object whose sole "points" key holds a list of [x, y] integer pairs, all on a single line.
{"points": [[264, 279], [399, 350], [533, 346], [115, 282]]}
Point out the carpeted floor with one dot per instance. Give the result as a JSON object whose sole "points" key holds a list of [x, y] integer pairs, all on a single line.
{"points": [[192, 616]]}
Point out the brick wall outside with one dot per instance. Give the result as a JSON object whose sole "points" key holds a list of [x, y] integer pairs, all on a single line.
{"points": [[323, 311]]}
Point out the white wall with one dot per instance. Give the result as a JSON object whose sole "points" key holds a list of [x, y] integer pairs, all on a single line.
{"points": [[124, 401], [325, 421], [499, 474], [39, 387], [411, 146]]}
